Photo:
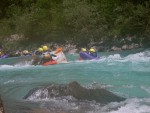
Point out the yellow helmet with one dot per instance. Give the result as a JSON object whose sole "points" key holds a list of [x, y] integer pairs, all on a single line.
{"points": [[25, 51], [92, 50], [40, 49], [83, 49], [45, 48], [0, 53]]}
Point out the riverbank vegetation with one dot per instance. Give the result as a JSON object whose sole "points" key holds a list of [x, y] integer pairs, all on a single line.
{"points": [[76, 21]]}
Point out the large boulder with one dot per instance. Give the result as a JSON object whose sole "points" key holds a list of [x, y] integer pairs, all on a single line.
{"points": [[77, 91]]}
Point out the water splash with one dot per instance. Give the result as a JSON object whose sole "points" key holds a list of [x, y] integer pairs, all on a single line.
{"points": [[16, 66], [38, 95]]}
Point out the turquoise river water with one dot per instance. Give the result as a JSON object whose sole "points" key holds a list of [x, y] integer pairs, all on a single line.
{"points": [[126, 74]]}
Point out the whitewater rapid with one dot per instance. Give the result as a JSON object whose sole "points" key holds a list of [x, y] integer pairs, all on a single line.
{"points": [[124, 75]]}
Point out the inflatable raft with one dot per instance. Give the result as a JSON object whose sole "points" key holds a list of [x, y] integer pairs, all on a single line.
{"points": [[4, 56], [86, 56], [60, 58], [53, 62]]}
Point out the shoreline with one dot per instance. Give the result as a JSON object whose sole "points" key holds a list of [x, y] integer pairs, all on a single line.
{"points": [[15, 49]]}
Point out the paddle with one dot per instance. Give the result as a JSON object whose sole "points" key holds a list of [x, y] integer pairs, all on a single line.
{"points": [[58, 50]]}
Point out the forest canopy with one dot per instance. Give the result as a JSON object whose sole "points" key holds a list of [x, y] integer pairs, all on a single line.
{"points": [[79, 21]]}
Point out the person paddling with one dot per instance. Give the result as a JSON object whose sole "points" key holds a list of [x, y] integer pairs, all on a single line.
{"points": [[37, 56], [92, 52], [47, 55]]}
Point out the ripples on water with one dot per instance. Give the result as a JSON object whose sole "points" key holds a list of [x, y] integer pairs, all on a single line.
{"points": [[125, 75]]}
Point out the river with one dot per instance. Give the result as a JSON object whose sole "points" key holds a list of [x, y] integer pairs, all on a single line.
{"points": [[126, 74]]}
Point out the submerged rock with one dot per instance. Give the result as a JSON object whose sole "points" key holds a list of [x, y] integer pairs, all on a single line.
{"points": [[77, 91], [1, 107], [99, 95]]}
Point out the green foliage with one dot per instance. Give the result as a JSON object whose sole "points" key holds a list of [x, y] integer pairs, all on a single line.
{"points": [[79, 21]]}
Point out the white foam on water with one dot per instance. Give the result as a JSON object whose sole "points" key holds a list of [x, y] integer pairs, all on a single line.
{"points": [[147, 89], [114, 57], [133, 106], [141, 56], [129, 106], [40, 94], [55, 102], [110, 58], [64, 103], [5, 66], [9, 81], [137, 57], [16, 66]]}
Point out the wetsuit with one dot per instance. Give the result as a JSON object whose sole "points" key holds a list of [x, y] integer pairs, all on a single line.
{"points": [[93, 54], [37, 57], [44, 60]]}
